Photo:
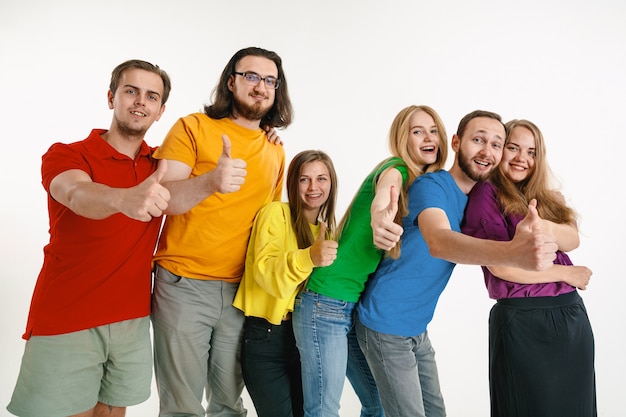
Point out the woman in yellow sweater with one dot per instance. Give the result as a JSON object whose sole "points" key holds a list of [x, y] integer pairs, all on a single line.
{"points": [[288, 240]]}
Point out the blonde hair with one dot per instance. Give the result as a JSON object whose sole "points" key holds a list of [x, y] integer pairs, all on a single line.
{"points": [[399, 146]]}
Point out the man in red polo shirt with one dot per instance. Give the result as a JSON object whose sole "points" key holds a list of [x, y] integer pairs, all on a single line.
{"points": [[88, 350]]}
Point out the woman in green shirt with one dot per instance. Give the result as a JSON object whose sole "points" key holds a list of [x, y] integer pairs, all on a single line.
{"points": [[323, 311]]}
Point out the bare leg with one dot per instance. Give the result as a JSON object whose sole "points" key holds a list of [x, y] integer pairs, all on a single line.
{"points": [[103, 410]]}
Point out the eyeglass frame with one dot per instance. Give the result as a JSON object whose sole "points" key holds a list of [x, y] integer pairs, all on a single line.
{"points": [[264, 79]]}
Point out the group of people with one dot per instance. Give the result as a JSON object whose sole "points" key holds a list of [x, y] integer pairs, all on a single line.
{"points": [[280, 297]]}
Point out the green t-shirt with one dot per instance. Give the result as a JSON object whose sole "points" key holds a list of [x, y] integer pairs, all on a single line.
{"points": [[357, 257]]}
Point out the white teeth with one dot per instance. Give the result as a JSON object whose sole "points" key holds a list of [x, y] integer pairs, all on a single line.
{"points": [[138, 113]]}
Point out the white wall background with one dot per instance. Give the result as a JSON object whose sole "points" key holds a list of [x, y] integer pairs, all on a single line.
{"points": [[351, 66]]}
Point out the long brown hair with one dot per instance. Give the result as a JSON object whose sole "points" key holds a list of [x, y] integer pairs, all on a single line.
{"points": [[514, 197], [327, 210], [281, 113]]}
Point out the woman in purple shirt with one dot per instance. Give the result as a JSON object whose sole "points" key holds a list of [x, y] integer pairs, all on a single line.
{"points": [[541, 346]]}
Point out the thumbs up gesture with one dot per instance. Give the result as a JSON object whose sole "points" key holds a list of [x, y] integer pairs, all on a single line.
{"points": [[534, 248], [323, 251], [148, 199], [230, 173], [386, 232]]}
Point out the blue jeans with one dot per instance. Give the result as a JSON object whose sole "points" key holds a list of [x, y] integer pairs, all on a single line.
{"points": [[270, 363], [405, 371], [322, 327]]}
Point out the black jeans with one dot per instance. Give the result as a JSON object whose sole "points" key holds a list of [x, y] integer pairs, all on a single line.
{"points": [[271, 368]]}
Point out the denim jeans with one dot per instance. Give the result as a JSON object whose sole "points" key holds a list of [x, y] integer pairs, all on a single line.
{"points": [[322, 327], [271, 368], [405, 371]]}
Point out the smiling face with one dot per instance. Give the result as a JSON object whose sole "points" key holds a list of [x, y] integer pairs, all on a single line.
{"points": [[518, 158], [252, 102], [314, 188], [479, 151], [137, 102], [423, 139]]}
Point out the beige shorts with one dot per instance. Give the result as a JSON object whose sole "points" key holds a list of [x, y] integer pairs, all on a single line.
{"points": [[68, 374]]}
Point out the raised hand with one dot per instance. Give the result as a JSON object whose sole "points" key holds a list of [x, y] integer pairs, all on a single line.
{"points": [[323, 251], [230, 173], [533, 247], [272, 135], [148, 199], [386, 232]]}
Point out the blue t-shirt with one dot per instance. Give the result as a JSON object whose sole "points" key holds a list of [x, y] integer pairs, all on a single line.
{"points": [[401, 296]]}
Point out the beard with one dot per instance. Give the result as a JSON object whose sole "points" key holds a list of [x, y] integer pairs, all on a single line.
{"points": [[254, 112], [466, 166], [130, 131]]}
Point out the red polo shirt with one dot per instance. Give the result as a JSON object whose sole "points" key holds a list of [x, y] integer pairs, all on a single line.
{"points": [[95, 272]]}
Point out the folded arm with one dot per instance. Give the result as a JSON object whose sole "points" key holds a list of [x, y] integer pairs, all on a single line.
{"points": [[574, 275]]}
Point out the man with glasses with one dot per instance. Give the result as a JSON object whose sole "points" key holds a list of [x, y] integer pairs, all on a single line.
{"points": [[221, 170]]}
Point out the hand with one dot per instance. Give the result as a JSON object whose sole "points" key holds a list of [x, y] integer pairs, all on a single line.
{"points": [[148, 199], [229, 174], [272, 135], [323, 252], [386, 232], [534, 248], [578, 276]]}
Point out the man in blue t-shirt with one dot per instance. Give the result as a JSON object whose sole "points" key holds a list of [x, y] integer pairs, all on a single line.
{"points": [[400, 297]]}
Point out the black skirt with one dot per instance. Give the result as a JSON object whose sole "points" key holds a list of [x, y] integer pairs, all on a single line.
{"points": [[541, 358]]}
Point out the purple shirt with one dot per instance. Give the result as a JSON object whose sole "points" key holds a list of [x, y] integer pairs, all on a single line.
{"points": [[484, 219]]}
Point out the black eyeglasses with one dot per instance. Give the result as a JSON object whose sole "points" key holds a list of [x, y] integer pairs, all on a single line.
{"points": [[253, 78]]}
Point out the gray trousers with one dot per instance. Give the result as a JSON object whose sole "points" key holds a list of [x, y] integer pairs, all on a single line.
{"points": [[197, 339]]}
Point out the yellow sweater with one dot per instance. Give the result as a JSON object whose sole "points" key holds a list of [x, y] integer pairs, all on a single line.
{"points": [[275, 267], [210, 240]]}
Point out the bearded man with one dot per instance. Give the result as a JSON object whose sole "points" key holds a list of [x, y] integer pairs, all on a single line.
{"points": [[221, 170]]}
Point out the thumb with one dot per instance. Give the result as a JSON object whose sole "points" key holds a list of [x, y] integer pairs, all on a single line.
{"points": [[322, 234], [227, 146], [394, 194], [531, 220], [160, 171], [533, 214]]}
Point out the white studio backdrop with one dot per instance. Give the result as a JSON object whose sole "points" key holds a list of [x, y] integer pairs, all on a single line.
{"points": [[351, 66]]}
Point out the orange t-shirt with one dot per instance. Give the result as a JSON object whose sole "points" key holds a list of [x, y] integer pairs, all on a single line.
{"points": [[209, 241]]}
